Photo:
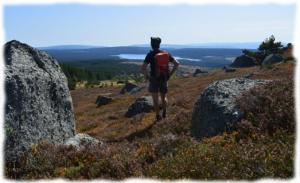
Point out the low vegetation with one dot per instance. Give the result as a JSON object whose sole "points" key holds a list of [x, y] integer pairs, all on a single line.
{"points": [[261, 146], [270, 108]]}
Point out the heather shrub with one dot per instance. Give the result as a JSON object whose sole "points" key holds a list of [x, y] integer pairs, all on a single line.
{"points": [[179, 123], [261, 145], [51, 161], [153, 149], [223, 157], [181, 100], [271, 107]]}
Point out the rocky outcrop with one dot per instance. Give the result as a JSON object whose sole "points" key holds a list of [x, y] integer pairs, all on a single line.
{"points": [[103, 100], [142, 104], [81, 140], [272, 59], [38, 101], [216, 111], [243, 61], [128, 88]]}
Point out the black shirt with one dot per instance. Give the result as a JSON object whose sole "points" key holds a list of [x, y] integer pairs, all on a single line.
{"points": [[151, 60]]}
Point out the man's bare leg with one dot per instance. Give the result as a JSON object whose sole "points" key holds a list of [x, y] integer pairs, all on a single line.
{"points": [[164, 102], [156, 106]]}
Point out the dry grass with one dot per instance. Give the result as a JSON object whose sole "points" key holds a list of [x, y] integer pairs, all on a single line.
{"points": [[138, 147], [108, 122]]}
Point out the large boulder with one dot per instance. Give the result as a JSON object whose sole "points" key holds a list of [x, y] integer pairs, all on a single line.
{"points": [[243, 61], [216, 111], [38, 102], [272, 59], [142, 104]]}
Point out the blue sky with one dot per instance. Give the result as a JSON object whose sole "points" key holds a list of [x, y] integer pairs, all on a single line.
{"points": [[59, 24]]}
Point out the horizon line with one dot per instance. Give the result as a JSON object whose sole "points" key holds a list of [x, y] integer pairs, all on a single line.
{"points": [[139, 44]]}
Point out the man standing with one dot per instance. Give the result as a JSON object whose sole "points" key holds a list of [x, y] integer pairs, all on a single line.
{"points": [[159, 74]]}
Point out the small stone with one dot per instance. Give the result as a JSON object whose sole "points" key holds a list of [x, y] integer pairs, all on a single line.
{"points": [[128, 88], [103, 100], [81, 139], [142, 104]]}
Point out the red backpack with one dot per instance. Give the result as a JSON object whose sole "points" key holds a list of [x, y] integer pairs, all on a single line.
{"points": [[162, 64]]}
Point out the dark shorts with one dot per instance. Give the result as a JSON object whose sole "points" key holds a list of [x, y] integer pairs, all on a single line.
{"points": [[158, 85]]}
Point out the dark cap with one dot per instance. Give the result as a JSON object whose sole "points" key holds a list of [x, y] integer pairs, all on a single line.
{"points": [[156, 40]]}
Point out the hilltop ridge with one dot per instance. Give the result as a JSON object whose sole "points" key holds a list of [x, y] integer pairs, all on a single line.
{"points": [[261, 145]]}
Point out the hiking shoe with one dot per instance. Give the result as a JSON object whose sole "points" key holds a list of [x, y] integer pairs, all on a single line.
{"points": [[158, 117], [164, 113]]}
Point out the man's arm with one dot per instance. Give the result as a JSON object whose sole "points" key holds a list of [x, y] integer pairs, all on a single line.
{"points": [[175, 67], [144, 70]]}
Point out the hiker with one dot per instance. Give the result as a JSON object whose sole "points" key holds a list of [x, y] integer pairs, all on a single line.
{"points": [[159, 75]]}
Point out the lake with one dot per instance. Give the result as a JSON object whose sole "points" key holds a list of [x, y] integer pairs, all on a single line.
{"points": [[142, 57]]}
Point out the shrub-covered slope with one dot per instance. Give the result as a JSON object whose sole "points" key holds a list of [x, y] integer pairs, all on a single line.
{"points": [[261, 146]]}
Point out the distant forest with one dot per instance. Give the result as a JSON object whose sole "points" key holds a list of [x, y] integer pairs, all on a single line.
{"points": [[97, 70]]}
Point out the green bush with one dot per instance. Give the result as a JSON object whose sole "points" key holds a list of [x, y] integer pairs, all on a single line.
{"points": [[268, 46]]}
